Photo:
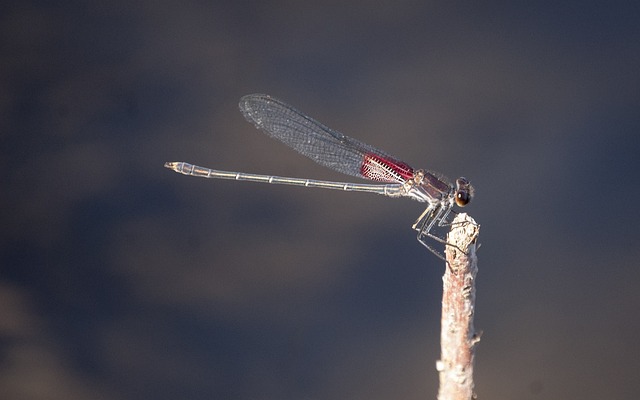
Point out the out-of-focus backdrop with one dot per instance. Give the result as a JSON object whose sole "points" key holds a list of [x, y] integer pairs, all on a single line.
{"points": [[120, 279]]}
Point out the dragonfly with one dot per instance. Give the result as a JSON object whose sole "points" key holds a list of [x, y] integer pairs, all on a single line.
{"points": [[349, 156]]}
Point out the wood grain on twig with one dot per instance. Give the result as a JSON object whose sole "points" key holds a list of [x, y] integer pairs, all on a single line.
{"points": [[458, 336]]}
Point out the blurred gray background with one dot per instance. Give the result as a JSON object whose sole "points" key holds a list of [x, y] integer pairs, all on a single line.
{"points": [[120, 279]]}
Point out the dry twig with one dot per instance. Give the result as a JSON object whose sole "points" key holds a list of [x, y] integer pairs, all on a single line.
{"points": [[458, 336]]}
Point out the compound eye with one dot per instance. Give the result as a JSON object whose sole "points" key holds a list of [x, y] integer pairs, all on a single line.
{"points": [[464, 192], [462, 198]]}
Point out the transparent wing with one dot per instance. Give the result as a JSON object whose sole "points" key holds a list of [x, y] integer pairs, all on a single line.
{"points": [[311, 138]]}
